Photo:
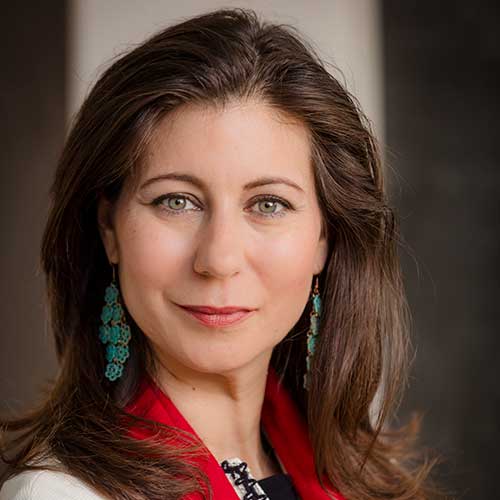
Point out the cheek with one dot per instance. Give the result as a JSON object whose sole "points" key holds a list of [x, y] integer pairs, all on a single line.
{"points": [[288, 257], [150, 254], [286, 269], [152, 262]]}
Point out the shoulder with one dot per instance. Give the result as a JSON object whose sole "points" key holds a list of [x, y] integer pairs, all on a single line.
{"points": [[46, 485]]}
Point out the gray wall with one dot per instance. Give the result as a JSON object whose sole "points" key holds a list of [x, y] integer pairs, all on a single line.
{"points": [[442, 103], [32, 105]]}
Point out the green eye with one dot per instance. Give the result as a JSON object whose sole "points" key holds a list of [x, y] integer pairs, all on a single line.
{"points": [[173, 204], [177, 202], [270, 204]]}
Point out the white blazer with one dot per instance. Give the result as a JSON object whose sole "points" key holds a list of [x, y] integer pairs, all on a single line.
{"points": [[46, 485], [55, 485]]}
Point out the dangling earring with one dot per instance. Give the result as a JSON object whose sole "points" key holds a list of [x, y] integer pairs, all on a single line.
{"points": [[312, 334], [114, 331]]}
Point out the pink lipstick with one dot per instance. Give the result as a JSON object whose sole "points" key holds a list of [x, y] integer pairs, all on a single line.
{"points": [[218, 316]]}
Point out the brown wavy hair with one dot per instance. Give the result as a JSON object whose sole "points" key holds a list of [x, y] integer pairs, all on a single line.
{"points": [[212, 59]]}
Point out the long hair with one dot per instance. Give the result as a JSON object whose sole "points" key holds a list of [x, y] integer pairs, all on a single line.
{"points": [[363, 348]]}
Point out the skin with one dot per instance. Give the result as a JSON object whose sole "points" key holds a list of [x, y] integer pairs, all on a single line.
{"points": [[219, 247]]}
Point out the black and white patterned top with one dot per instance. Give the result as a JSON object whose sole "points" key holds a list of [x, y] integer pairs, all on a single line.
{"points": [[275, 487]]}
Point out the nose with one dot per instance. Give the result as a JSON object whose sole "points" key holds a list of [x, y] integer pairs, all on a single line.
{"points": [[220, 248]]}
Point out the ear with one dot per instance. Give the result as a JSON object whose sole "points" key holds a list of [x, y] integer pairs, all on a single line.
{"points": [[322, 250], [107, 229]]}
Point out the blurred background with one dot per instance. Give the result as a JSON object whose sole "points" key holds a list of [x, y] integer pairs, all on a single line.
{"points": [[426, 74]]}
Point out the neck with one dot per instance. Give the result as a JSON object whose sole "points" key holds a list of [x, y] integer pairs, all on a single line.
{"points": [[224, 409]]}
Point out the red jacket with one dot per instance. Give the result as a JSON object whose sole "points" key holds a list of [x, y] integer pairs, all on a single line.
{"points": [[283, 424]]}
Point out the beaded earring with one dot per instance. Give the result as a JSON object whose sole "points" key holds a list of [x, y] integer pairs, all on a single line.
{"points": [[114, 332], [312, 334]]}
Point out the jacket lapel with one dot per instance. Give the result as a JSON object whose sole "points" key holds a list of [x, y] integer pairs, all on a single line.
{"points": [[287, 431], [154, 404], [283, 425]]}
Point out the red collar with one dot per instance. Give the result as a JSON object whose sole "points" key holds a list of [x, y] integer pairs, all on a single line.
{"points": [[283, 424]]}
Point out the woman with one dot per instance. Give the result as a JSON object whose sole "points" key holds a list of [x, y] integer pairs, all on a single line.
{"points": [[224, 285]]}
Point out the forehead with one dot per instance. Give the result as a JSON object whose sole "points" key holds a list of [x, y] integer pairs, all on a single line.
{"points": [[233, 144]]}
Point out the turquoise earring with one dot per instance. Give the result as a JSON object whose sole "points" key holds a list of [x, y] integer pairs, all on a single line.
{"points": [[114, 332], [312, 334]]}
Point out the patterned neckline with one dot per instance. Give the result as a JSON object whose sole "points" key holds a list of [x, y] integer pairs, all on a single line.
{"points": [[245, 485]]}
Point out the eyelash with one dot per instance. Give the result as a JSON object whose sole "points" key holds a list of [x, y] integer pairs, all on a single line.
{"points": [[287, 206]]}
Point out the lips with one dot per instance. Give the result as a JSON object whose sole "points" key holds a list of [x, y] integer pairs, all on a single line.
{"points": [[218, 316]]}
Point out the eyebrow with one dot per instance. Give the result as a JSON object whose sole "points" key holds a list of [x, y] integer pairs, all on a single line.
{"points": [[262, 181]]}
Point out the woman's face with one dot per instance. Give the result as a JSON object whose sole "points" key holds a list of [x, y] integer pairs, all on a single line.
{"points": [[218, 241]]}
